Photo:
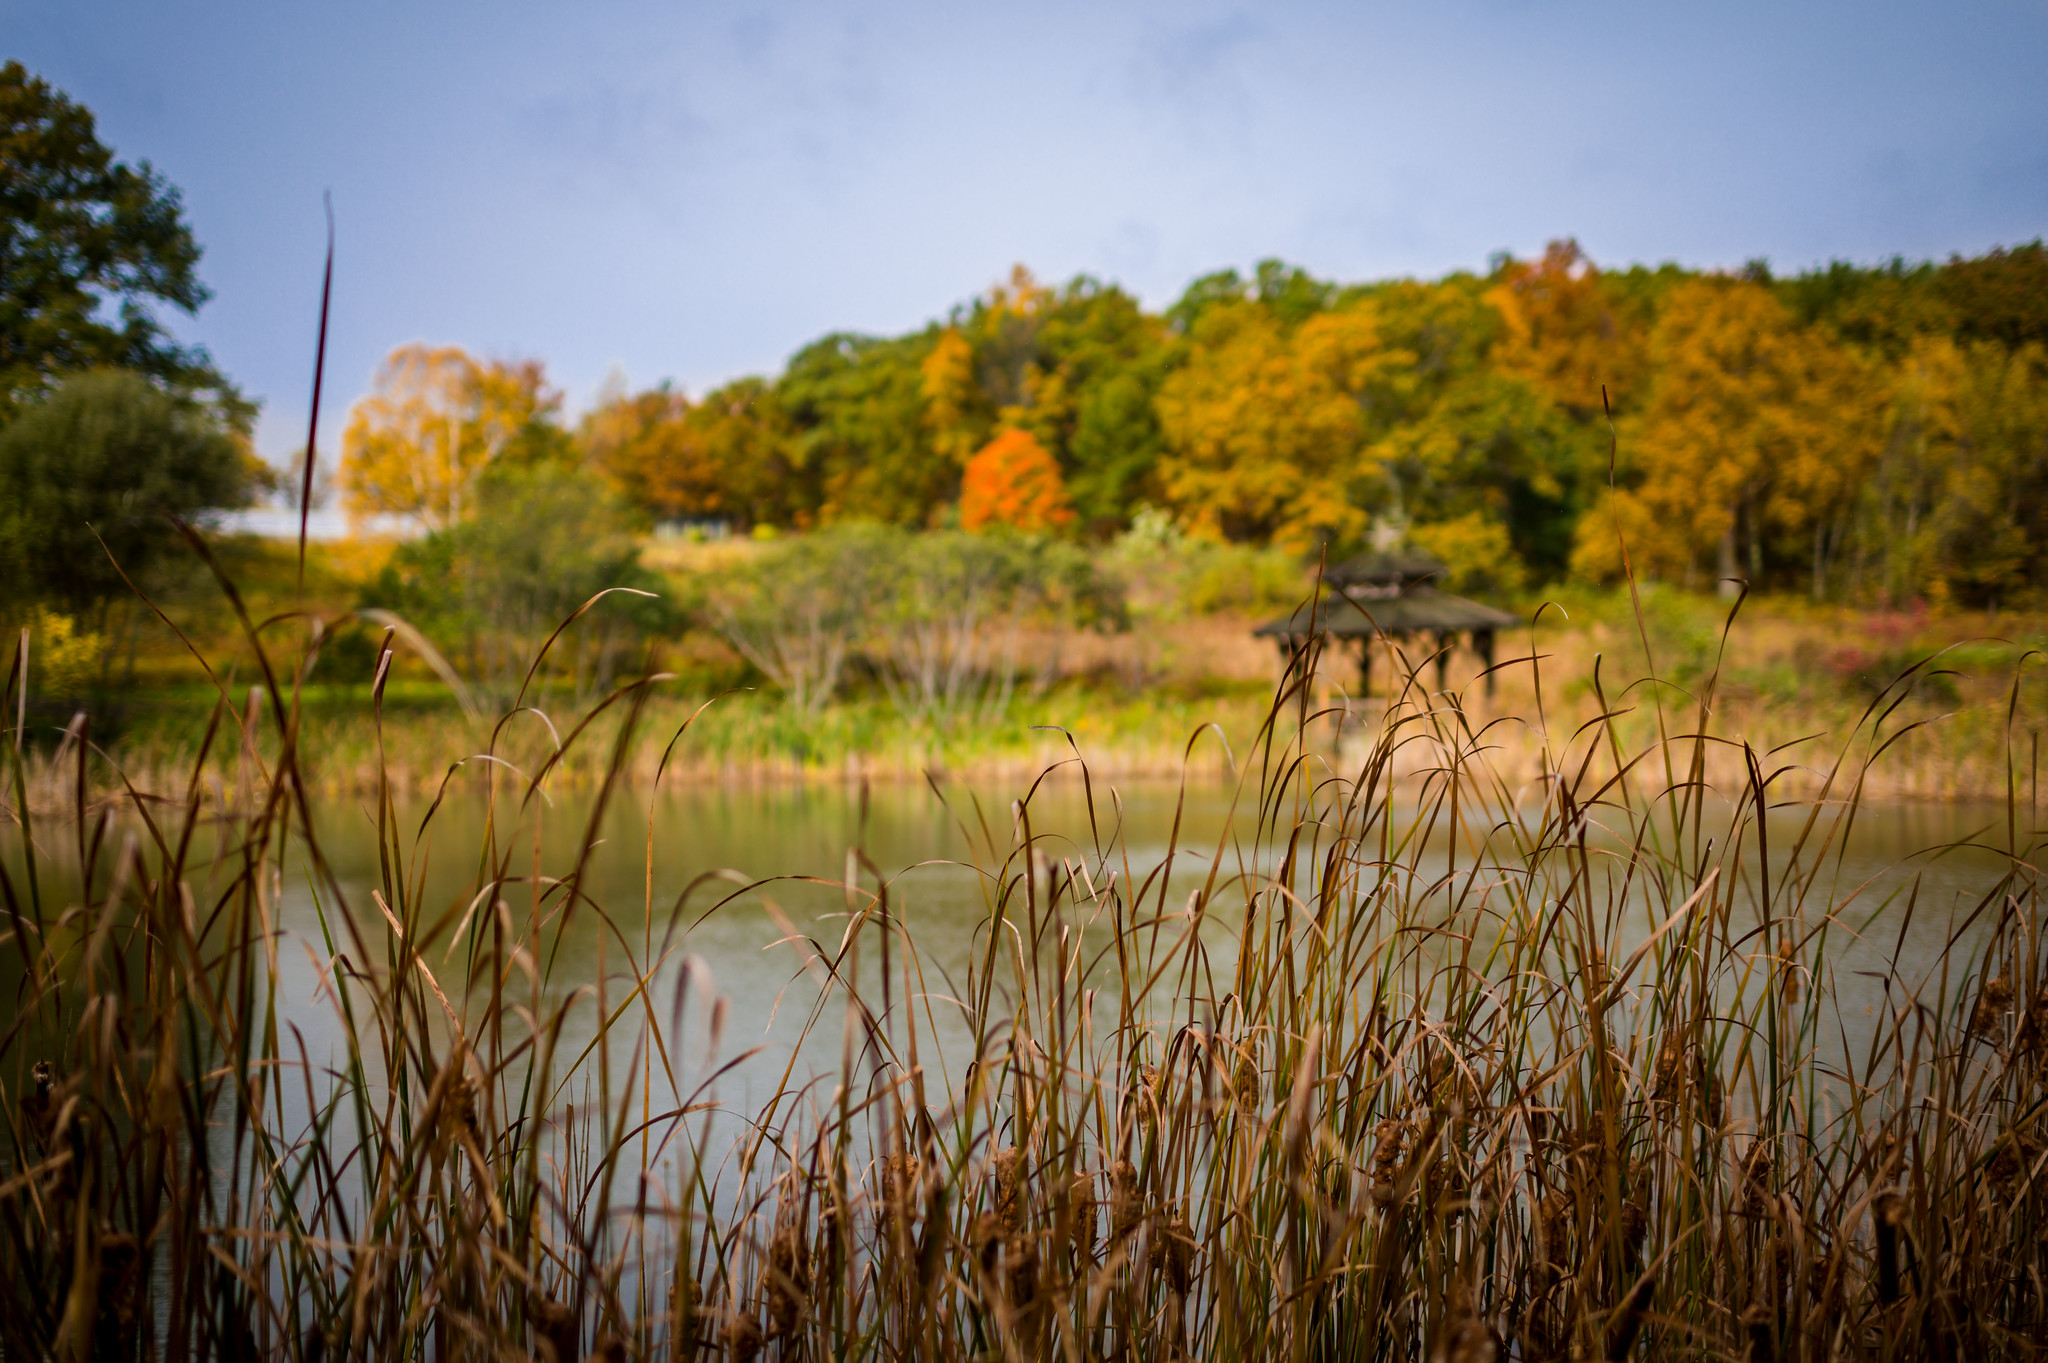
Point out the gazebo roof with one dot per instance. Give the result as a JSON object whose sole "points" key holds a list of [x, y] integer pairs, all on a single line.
{"points": [[1395, 566], [1359, 614]]}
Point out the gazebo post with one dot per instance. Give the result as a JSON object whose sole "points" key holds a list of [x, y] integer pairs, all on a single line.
{"points": [[1482, 644], [1445, 640], [1365, 666]]}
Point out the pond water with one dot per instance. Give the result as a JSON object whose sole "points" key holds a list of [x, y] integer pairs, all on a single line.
{"points": [[655, 876], [940, 852], [735, 869]]}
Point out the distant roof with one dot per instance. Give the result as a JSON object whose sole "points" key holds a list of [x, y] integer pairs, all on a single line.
{"points": [[1400, 565], [1352, 615]]}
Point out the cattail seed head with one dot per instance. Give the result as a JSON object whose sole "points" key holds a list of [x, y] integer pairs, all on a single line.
{"points": [[1390, 1147], [1635, 1227], [1466, 1338], [1889, 1157], [39, 1106], [1008, 1258], [1245, 1084], [458, 1116], [1763, 1341], [1988, 1017], [2033, 1033], [1628, 1320], [557, 1332], [1757, 1201], [1553, 1228], [1005, 1180], [985, 1238], [789, 1279], [120, 1286], [1126, 1209], [1020, 1269], [683, 1299], [1710, 1102], [1888, 1213], [744, 1338], [1081, 1216], [897, 1206], [1669, 1074], [2011, 1157], [1176, 1251]]}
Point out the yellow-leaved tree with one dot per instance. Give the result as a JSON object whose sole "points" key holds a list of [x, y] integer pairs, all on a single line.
{"points": [[1749, 454], [434, 422], [946, 382], [1265, 426], [1959, 505]]}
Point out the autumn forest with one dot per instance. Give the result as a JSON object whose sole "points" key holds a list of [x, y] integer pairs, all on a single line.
{"points": [[1864, 434]]}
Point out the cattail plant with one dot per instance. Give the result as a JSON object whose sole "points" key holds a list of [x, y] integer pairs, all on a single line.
{"points": [[1414, 1061]]}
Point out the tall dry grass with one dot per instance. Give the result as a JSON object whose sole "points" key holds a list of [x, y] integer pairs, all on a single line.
{"points": [[1419, 1060]]}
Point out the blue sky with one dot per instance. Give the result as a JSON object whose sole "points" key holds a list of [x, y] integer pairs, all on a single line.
{"points": [[692, 191]]}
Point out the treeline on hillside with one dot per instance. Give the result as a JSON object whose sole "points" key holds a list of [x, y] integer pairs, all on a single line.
{"points": [[1863, 433]]}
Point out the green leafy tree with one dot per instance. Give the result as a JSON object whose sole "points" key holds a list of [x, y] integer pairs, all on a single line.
{"points": [[1204, 293], [82, 234], [1293, 294], [1466, 436], [2000, 296], [99, 461], [859, 443], [542, 539], [945, 632], [1116, 444], [1091, 385], [1881, 309]]}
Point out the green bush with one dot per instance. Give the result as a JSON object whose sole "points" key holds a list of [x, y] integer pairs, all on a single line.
{"points": [[87, 476], [488, 591]]}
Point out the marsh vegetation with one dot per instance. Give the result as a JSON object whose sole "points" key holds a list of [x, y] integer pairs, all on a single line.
{"points": [[1399, 1059]]}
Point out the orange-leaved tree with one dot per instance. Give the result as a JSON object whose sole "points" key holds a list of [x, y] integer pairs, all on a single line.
{"points": [[1563, 331], [720, 458], [618, 432], [1012, 481], [435, 421]]}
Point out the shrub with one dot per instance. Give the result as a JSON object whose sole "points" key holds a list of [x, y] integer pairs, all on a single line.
{"points": [[87, 476], [542, 541]]}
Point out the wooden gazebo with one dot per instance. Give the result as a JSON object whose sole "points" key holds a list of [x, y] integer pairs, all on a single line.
{"points": [[1387, 592]]}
